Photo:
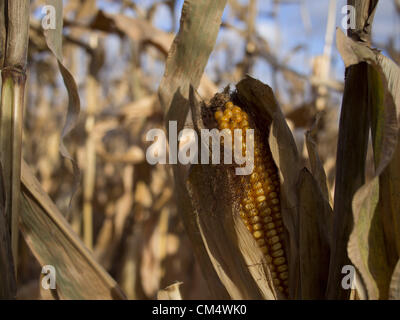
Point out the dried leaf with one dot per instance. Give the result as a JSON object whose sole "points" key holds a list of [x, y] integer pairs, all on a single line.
{"points": [[367, 246], [350, 170], [53, 242], [239, 263], [317, 168], [170, 293], [315, 237], [198, 31], [200, 24], [54, 42]]}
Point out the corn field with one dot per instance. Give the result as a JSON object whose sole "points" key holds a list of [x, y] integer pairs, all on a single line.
{"points": [[92, 90]]}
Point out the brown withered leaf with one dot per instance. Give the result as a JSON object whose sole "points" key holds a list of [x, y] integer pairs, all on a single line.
{"points": [[315, 224], [195, 40], [367, 247], [53, 242], [317, 168], [232, 250]]}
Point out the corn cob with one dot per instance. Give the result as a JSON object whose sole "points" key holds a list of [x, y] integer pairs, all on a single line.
{"points": [[260, 207]]}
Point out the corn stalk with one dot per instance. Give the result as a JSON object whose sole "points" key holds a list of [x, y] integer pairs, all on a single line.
{"points": [[16, 21]]}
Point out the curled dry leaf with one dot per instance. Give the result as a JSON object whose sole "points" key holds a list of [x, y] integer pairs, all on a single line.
{"points": [[374, 204], [54, 42]]}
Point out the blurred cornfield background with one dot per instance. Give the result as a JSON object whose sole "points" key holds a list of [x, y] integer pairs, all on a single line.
{"points": [[124, 209]]}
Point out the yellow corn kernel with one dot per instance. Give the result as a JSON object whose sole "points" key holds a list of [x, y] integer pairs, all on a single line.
{"points": [[267, 219], [255, 219], [229, 105], [277, 216], [276, 246], [275, 201], [237, 117], [270, 226], [258, 234], [273, 240], [253, 213], [279, 261], [261, 242], [273, 195], [257, 185], [237, 110], [284, 275], [224, 125], [270, 188], [247, 200], [262, 205], [254, 177], [282, 268], [277, 254], [218, 115], [249, 206], [257, 226], [260, 199], [244, 123], [271, 233], [223, 119], [228, 113]]}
